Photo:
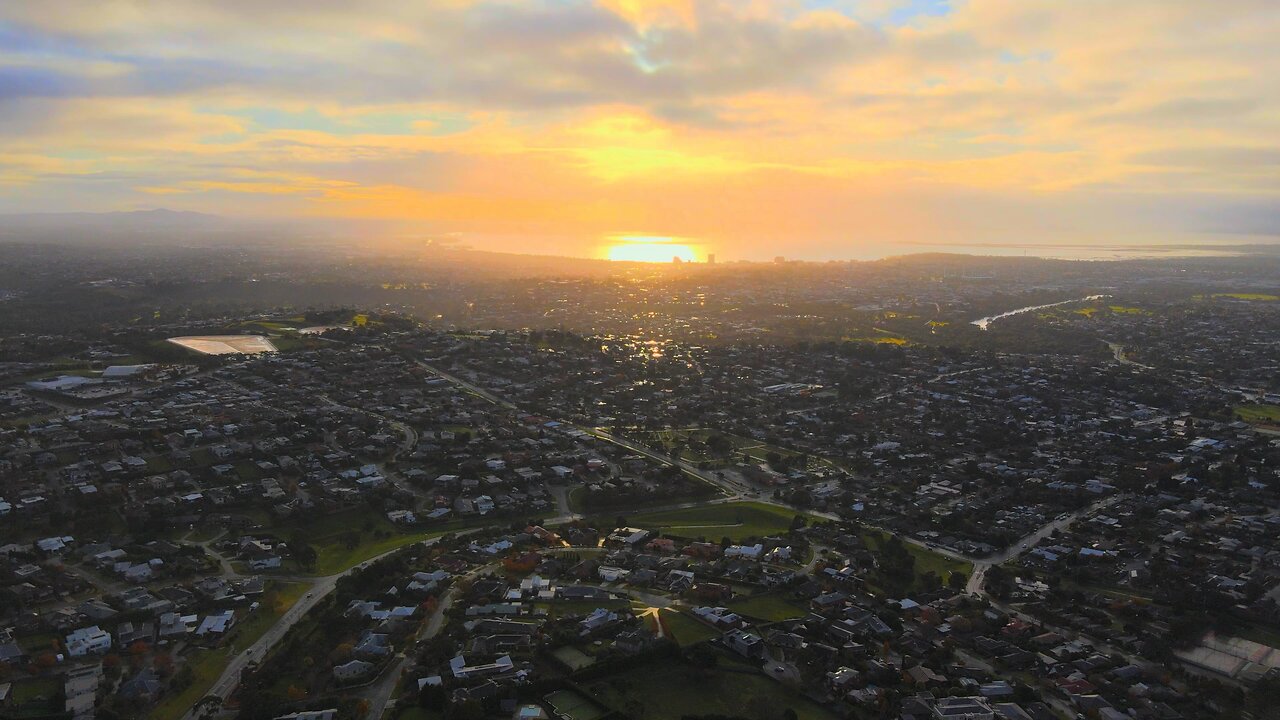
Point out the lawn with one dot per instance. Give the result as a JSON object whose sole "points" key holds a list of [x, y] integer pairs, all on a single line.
{"points": [[1263, 414], [286, 594], [768, 607], [158, 464], [42, 689], [205, 533], [685, 629], [575, 608], [377, 535], [880, 340], [333, 556], [736, 521], [573, 658], [672, 690], [926, 560], [34, 645], [1263, 297], [572, 706], [416, 712], [207, 665]]}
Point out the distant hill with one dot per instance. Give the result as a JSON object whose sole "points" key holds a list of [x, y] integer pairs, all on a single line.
{"points": [[159, 217]]}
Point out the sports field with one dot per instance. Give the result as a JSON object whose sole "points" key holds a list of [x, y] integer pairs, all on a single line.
{"points": [[225, 344]]}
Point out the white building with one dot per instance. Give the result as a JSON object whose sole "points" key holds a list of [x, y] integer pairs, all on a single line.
{"points": [[87, 640]]}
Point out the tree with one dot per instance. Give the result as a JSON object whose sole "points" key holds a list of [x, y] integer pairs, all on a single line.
{"points": [[432, 697], [957, 580]]}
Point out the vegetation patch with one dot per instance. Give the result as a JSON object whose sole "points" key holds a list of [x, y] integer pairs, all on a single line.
{"points": [[673, 690], [685, 629], [880, 340], [573, 658], [1260, 414], [906, 567], [203, 667], [573, 706], [1260, 297], [769, 608], [335, 543], [736, 521]]}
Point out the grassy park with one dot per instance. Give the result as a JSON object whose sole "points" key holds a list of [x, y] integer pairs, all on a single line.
{"points": [[926, 560], [1259, 414], [686, 629], [669, 691], [768, 608], [737, 521], [345, 539]]}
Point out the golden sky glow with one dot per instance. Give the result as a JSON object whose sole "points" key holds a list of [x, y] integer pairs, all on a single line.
{"points": [[810, 128], [639, 248]]}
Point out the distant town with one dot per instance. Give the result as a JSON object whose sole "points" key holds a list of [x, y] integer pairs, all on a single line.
{"points": [[261, 483]]}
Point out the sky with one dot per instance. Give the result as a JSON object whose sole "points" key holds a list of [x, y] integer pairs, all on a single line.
{"points": [[748, 128]]}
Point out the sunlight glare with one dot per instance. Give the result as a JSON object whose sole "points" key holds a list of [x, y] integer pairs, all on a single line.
{"points": [[651, 249]]}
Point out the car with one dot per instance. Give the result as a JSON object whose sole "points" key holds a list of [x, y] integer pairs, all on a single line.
{"points": [[779, 669]]}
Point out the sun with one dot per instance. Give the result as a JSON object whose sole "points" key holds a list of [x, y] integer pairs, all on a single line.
{"points": [[648, 248]]}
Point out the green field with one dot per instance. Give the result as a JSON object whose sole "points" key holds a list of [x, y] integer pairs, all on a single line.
{"points": [[34, 645], [1263, 297], [415, 712], [573, 658], [1262, 414], [769, 608], [572, 706], [685, 629], [36, 690], [207, 665], [576, 608], [670, 691], [333, 556], [737, 521], [377, 535], [926, 560]]}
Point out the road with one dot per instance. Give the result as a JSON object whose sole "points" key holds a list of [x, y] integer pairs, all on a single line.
{"points": [[321, 587], [735, 491], [730, 488], [732, 491], [379, 694], [1117, 351], [1024, 545]]}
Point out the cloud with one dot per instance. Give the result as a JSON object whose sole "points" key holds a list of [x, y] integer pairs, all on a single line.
{"points": [[711, 116]]}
